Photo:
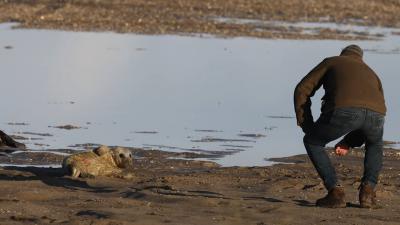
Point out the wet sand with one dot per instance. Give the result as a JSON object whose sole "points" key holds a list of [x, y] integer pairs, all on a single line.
{"points": [[168, 189], [180, 188], [224, 18]]}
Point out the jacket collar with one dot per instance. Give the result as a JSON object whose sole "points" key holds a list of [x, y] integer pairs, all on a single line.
{"points": [[352, 55]]}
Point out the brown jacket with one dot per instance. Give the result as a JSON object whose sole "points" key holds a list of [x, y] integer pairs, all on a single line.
{"points": [[348, 82]]}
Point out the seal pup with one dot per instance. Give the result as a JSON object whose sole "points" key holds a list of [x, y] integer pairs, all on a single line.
{"points": [[101, 161]]}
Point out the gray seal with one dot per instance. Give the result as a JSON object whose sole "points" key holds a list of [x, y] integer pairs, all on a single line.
{"points": [[102, 161]]}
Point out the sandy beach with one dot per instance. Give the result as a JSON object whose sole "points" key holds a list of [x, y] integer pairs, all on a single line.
{"points": [[179, 191], [184, 188]]}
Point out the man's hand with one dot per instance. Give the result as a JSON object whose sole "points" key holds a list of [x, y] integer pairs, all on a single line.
{"points": [[342, 149]]}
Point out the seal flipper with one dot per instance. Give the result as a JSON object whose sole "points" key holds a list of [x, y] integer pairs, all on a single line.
{"points": [[75, 172]]}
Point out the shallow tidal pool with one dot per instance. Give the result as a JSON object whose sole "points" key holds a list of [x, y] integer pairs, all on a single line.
{"points": [[229, 97]]}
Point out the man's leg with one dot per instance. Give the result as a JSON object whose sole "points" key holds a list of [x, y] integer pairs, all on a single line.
{"points": [[322, 163], [373, 129], [373, 147], [373, 159], [320, 159], [329, 127]]}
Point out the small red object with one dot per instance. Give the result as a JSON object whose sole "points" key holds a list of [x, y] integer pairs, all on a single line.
{"points": [[341, 149]]}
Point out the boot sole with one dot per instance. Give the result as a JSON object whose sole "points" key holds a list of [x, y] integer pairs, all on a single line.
{"points": [[333, 206]]}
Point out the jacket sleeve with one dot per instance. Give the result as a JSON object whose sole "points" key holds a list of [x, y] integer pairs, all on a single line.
{"points": [[380, 86], [305, 90], [353, 139]]}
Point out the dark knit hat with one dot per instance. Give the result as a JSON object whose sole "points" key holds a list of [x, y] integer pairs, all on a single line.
{"points": [[353, 49]]}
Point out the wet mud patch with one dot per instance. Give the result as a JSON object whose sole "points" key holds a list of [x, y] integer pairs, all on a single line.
{"points": [[253, 135], [170, 191], [32, 158], [237, 146], [235, 150], [290, 159], [18, 124], [68, 127], [281, 117], [25, 219], [19, 137], [208, 131], [214, 139], [299, 30], [61, 102], [197, 152], [36, 134], [93, 214], [145, 132], [41, 145]]}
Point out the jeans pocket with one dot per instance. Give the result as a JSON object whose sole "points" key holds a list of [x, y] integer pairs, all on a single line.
{"points": [[378, 122]]}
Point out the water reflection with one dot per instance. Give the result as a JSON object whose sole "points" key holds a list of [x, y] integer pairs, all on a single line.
{"points": [[155, 91]]}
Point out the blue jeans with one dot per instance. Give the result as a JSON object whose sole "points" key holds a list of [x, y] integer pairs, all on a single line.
{"points": [[334, 124]]}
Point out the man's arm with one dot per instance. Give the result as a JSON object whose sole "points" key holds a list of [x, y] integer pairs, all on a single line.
{"points": [[305, 90], [380, 85], [353, 139]]}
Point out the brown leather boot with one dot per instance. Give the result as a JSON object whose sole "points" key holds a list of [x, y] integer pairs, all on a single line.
{"points": [[334, 199], [367, 197]]}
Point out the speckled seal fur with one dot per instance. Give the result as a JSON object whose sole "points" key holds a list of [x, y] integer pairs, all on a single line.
{"points": [[102, 161]]}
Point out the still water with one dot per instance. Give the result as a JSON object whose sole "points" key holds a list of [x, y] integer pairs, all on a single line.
{"points": [[170, 92]]}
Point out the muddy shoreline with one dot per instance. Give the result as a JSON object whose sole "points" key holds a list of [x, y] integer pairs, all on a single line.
{"points": [[222, 18], [185, 188], [170, 189]]}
